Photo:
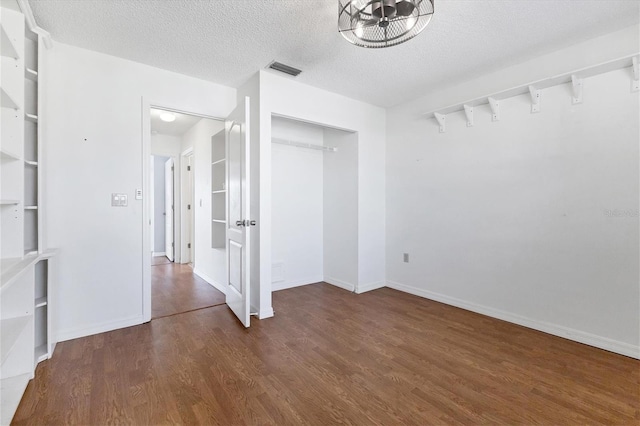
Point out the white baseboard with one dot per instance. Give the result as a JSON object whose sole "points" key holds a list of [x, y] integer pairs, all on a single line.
{"points": [[210, 281], [283, 285], [339, 283], [158, 253], [77, 332], [557, 330], [363, 288]]}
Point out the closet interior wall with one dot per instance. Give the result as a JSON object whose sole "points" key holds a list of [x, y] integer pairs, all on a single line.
{"points": [[314, 205]]}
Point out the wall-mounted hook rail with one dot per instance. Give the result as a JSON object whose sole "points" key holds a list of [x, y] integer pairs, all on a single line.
{"points": [[468, 111], [534, 89]]}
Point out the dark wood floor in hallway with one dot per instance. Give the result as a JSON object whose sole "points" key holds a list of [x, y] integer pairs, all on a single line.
{"points": [[332, 357], [176, 289]]}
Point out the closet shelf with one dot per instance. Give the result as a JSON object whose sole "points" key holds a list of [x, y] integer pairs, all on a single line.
{"points": [[31, 252], [30, 74], [7, 101], [31, 163], [41, 301], [31, 207], [9, 202], [31, 117], [303, 145], [219, 191], [11, 329], [219, 221], [219, 162], [7, 46], [13, 267], [8, 155]]}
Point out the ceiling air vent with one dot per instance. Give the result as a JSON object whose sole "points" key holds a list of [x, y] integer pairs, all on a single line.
{"points": [[284, 68]]}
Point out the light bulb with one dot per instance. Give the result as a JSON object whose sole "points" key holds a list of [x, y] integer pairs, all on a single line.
{"points": [[167, 117]]}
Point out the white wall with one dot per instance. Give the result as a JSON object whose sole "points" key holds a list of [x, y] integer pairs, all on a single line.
{"points": [[510, 218], [209, 263], [94, 147], [297, 203], [159, 227], [281, 96], [340, 210]]}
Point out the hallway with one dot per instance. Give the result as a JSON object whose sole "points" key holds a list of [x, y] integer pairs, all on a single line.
{"points": [[176, 289]]}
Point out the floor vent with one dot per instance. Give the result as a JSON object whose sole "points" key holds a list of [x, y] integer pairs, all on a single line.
{"points": [[284, 68]]}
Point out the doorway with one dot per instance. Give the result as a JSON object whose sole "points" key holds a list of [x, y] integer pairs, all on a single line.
{"points": [[314, 205], [179, 213]]}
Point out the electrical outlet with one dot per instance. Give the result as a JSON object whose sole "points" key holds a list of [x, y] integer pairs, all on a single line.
{"points": [[405, 257]]}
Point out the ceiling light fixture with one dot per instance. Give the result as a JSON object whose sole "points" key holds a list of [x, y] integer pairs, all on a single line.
{"points": [[167, 117], [382, 23]]}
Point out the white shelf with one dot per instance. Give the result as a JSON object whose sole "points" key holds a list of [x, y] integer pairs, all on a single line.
{"points": [[219, 221], [11, 390], [31, 207], [30, 74], [9, 202], [41, 353], [11, 329], [7, 46], [31, 163], [12, 268], [218, 162], [41, 301], [31, 252], [219, 191], [555, 80], [7, 101], [31, 117], [8, 155]]}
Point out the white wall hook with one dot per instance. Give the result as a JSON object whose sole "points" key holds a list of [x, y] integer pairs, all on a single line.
{"points": [[468, 111], [442, 121], [495, 109], [536, 94], [576, 84]]}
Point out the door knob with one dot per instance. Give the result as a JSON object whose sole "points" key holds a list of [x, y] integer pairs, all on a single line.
{"points": [[252, 222], [240, 223]]}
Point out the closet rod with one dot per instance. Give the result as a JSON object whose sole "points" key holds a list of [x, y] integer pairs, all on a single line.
{"points": [[304, 145]]}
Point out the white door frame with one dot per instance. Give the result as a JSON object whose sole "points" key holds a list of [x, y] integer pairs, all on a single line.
{"points": [[147, 104], [186, 215], [265, 231]]}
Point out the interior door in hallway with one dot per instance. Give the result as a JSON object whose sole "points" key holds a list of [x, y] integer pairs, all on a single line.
{"points": [[168, 208], [238, 221]]}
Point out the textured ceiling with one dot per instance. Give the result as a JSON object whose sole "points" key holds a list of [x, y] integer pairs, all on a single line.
{"points": [[179, 127], [227, 41]]}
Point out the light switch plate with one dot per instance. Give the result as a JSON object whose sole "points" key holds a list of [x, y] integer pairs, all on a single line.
{"points": [[138, 194], [119, 200]]}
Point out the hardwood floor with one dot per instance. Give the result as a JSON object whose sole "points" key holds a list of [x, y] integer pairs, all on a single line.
{"points": [[159, 260], [329, 357], [176, 289]]}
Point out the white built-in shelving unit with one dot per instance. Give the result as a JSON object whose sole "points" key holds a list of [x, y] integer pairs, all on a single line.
{"points": [[27, 278], [218, 190]]}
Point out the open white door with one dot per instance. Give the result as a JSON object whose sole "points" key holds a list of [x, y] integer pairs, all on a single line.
{"points": [[168, 209], [238, 220]]}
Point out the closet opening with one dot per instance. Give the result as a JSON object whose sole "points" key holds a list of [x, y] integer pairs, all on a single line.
{"points": [[314, 209], [180, 223]]}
